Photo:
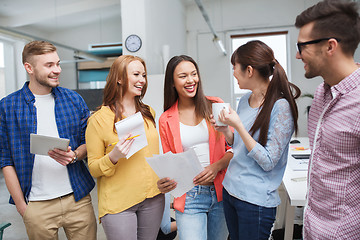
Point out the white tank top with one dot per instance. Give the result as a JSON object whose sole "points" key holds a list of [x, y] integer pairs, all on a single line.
{"points": [[50, 179], [197, 138]]}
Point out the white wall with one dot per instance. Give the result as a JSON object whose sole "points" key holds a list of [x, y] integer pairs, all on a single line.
{"points": [[2, 83], [234, 16], [157, 23], [154, 96], [165, 25]]}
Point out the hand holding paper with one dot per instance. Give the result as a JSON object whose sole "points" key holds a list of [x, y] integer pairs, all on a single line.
{"points": [[207, 176], [166, 185], [133, 125], [61, 156], [121, 149], [40, 144], [181, 167]]}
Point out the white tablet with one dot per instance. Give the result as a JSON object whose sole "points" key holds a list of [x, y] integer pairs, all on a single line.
{"points": [[40, 144]]}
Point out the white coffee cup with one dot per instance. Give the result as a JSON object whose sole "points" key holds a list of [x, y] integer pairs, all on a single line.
{"points": [[216, 108]]}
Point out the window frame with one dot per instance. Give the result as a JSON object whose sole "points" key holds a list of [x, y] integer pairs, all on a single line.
{"points": [[13, 70]]}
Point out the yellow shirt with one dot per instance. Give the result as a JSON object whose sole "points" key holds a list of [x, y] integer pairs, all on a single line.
{"points": [[129, 181]]}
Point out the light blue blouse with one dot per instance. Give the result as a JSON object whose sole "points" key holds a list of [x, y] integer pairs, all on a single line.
{"points": [[255, 176]]}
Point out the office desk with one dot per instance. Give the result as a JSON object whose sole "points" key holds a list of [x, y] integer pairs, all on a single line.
{"points": [[295, 185]]}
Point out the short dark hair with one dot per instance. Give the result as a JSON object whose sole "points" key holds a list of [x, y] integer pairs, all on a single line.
{"points": [[36, 48], [334, 18]]}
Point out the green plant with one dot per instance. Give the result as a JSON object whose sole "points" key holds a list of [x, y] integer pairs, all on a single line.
{"points": [[309, 95]]}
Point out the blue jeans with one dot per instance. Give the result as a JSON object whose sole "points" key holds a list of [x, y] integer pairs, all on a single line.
{"points": [[247, 221], [203, 217]]}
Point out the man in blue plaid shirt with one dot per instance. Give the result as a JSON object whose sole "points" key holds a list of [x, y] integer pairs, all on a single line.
{"points": [[49, 191]]}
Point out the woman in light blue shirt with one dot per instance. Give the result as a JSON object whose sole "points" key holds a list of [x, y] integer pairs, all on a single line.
{"points": [[264, 122]]}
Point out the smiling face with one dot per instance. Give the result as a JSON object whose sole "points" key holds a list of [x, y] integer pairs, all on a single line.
{"points": [[44, 71], [136, 78], [312, 54], [186, 79]]}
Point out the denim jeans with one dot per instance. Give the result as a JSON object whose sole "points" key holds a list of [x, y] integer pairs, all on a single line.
{"points": [[203, 217], [247, 221]]}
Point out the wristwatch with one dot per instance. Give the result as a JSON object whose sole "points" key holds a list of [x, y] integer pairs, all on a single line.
{"points": [[75, 158]]}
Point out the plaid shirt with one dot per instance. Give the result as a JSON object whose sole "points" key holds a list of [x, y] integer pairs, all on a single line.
{"points": [[333, 206], [18, 120]]}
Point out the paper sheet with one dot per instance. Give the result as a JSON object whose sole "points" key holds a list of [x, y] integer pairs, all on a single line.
{"points": [[40, 144], [135, 126], [181, 167]]}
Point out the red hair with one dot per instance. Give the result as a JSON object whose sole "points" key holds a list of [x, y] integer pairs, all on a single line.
{"points": [[114, 91]]}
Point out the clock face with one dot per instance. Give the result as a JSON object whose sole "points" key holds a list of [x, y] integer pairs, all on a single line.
{"points": [[133, 43]]}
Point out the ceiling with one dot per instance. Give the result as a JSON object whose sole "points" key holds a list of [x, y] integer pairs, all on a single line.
{"points": [[52, 16], [55, 15]]}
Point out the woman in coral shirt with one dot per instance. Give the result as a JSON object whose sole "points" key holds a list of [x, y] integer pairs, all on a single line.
{"points": [[185, 124]]}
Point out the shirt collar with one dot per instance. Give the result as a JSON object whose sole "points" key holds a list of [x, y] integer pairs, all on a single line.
{"points": [[29, 96], [173, 110], [344, 86], [348, 83]]}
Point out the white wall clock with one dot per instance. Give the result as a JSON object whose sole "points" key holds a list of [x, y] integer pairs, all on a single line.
{"points": [[133, 43]]}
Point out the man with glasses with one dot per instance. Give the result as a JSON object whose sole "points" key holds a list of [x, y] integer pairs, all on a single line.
{"points": [[328, 37]]}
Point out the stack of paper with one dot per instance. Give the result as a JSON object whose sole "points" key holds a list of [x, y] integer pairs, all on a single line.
{"points": [[181, 167]]}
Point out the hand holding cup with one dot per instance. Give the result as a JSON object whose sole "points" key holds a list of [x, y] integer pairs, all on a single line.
{"points": [[216, 109]]}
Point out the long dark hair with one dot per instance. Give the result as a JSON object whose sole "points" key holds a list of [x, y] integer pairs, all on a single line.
{"points": [[202, 104], [260, 56], [114, 91]]}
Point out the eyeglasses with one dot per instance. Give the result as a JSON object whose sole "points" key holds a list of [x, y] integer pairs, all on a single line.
{"points": [[300, 45]]}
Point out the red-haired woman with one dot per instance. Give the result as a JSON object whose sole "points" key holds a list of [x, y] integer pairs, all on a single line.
{"points": [[185, 124], [130, 204]]}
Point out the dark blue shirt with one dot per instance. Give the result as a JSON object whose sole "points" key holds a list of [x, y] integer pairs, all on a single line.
{"points": [[18, 119]]}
